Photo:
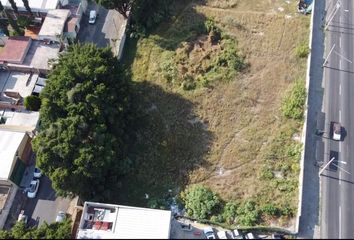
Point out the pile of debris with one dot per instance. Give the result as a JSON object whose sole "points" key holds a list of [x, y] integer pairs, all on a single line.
{"points": [[305, 6]]}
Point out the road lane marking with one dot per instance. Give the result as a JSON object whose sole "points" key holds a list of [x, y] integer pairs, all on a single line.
{"points": [[340, 116], [340, 221], [346, 10], [340, 89], [340, 63], [340, 42]]}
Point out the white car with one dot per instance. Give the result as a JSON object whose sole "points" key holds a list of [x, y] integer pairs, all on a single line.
{"points": [[235, 234], [37, 173], [93, 16], [336, 131], [250, 236], [221, 235], [60, 217], [209, 233], [33, 188]]}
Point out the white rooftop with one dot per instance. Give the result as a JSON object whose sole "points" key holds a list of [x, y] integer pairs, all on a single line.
{"points": [[27, 119], [23, 83], [35, 5], [54, 23], [123, 222], [9, 143]]}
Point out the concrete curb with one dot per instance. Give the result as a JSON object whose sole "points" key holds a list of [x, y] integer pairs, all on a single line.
{"points": [[304, 130]]}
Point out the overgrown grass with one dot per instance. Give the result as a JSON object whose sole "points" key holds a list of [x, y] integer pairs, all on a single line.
{"points": [[294, 101], [302, 51]]}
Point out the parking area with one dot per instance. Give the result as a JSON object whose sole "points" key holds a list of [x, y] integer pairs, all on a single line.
{"points": [[106, 29]]}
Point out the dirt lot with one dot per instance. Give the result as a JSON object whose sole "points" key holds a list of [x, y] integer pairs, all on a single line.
{"points": [[226, 136]]}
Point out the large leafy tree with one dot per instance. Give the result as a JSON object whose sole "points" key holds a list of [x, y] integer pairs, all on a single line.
{"points": [[13, 5], [84, 115], [122, 6], [45, 231]]}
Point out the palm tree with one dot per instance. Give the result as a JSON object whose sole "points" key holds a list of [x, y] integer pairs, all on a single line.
{"points": [[25, 3], [13, 6]]}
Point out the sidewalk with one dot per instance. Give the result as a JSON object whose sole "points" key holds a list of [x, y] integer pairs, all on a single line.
{"points": [[309, 220]]}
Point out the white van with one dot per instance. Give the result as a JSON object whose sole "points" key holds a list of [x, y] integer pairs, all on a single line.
{"points": [[93, 16]]}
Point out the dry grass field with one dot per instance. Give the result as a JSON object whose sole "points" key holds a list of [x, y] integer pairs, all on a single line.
{"points": [[231, 136]]}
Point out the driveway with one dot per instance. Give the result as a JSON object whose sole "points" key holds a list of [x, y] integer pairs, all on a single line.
{"points": [[46, 205], [106, 28]]}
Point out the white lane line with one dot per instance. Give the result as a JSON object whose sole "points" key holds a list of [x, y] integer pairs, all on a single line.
{"points": [[340, 42], [340, 64], [340, 116], [340, 89], [340, 222]]}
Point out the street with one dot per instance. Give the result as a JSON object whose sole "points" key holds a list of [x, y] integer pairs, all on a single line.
{"points": [[337, 188]]}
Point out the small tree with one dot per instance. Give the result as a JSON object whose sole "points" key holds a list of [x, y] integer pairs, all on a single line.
{"points": [[32, 103], [200, 202], [122, 6]]}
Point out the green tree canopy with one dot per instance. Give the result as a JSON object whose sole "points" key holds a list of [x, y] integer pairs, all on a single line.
{"points": [[56, 230], [200, 202], [83, 137]]}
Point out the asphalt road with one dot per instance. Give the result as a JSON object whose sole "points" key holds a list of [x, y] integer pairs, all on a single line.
{"points": [[46, 205], [337, 181]]}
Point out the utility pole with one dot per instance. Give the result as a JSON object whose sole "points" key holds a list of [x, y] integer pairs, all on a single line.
{"points": [[338, 4], [326, 60]]}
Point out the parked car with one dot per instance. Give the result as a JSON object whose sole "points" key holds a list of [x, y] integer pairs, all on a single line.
{"points": [[60, 216], [22, 217], [221, 235], [37, 173], [209, 233], [33, 188], [93, 15], [250, 236], [235, 234], [337, 133], [186, 227]]}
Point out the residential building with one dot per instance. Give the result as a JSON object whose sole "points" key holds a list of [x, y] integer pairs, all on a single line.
{"points": [[109, 221], [38, 7]]}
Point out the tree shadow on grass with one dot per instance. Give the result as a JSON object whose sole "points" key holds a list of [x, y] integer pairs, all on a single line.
{"points": [[170, 142]]}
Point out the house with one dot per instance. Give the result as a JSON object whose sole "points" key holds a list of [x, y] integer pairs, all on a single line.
{"points": [[15, 152], [109, 221], [23, 54], [53, 26]]}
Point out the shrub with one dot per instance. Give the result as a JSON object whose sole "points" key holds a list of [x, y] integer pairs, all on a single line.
{"points": [[294, 101], [270, 209], [32, 103], [23, 21], [302, 51], [200, 202], [247, 214], [230, 212]]}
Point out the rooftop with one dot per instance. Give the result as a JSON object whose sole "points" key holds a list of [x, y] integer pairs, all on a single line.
{"points": [[22, 120], [38, 56], [15, 49], [54, 23], [35, 5], [123, 222], [9, 143], [14, 83]]}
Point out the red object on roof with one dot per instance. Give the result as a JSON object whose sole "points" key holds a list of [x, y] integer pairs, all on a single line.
{"points": [[15, 49], [97, 225], [105, 226]]}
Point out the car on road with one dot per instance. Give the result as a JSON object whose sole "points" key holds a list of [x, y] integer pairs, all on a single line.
{"points": [[92, 18], [33, 188], [337, 133], [250, 236], [235, 234], [222, 235], [37, 173], [60, 216], [22, 217], [209, 233]]}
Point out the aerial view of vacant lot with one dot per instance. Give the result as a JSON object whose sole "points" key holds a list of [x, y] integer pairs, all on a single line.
{"points": [[214, 81]]}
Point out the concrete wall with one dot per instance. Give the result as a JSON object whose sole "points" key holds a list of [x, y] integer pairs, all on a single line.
{"points": [[5, 211]]}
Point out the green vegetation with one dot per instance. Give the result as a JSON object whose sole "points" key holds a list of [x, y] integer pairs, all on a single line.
{"points": [[46, 231], [302, 51], [294, 101], [200, 202], [84, 116], [32, 103], [23, 21]]}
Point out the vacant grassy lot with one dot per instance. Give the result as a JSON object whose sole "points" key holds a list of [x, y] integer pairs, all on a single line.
{"points": [[230, 134]]}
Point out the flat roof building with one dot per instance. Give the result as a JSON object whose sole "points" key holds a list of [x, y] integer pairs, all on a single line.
{"points": [[15, 49], [53, 25], [35, 5], [109, 221]]}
